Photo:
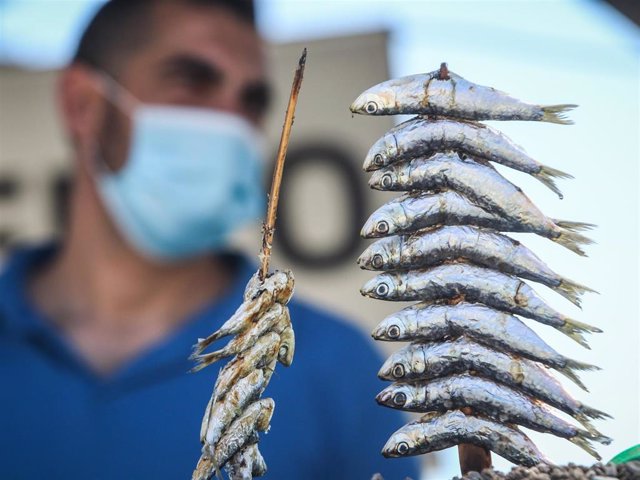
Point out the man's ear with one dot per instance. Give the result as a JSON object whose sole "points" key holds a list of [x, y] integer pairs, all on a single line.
{"points": [[81, 103]]}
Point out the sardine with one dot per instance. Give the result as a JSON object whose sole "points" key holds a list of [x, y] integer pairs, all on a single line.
{"points": [[255, 418], [436, 432], [421, 137], [475, 284], [417, 210], [222, 412], [261, 354], [248, 337], [490, 399], [247, 464], [479, 246], [495, 329], [258, 299], [482, 184], [442, 92], [434, 360]]}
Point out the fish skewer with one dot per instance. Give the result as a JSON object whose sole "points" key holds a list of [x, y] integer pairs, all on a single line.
{"points": [[490, 399], [495, 329], [444, 93], [476, 284], [482, 247], [423, 137], [263, 336], [482, 183], [435, 432], [472, 364]]}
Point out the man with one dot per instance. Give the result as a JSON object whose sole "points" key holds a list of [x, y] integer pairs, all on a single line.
{"points": [[161, 104]]}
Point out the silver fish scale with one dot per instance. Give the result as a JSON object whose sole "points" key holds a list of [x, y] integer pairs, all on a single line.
{"points": [[440, 245]]}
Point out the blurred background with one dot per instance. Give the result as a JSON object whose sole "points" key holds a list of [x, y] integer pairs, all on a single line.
{"points": [[584, 52]]}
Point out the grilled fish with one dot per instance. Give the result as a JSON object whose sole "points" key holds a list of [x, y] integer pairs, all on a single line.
{"points": [[422, 137], [442, 92], [439, 431], [482, 184], [479, 246], [475, 284], [490, 399]]}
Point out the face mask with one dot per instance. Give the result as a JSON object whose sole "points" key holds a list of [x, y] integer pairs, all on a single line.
{"points": [[192, 177]]}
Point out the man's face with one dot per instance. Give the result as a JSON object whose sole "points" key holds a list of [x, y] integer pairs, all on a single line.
{"points": [[200, 57]]}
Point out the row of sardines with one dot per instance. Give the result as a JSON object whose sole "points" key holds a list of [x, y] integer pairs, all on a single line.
{"points": [[472, 366], [262, 336]]}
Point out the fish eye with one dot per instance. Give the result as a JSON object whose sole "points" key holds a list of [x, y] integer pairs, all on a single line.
{"points": [[382, 289], [399, 399], [393, 331], [382, 227], [377, 261], [386, 181], [398, 370], [283, 351], [371, 107], [402, 448], [377, 159]]}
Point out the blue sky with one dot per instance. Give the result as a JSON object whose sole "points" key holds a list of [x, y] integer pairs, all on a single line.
{"points": [[566, 51]]}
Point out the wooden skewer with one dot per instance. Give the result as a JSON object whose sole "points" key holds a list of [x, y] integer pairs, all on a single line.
{"points": [[268, 228], [471, 457]]}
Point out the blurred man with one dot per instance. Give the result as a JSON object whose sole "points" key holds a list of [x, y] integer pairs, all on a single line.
{"points": [[163, 103]]}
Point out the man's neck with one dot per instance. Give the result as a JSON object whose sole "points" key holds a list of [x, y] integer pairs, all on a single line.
{"points": [[110, 301]]}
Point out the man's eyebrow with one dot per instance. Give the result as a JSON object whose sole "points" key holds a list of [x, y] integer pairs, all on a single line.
{"points": [[194, 67]]}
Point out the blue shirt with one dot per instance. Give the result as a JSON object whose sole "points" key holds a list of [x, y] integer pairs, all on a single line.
{"points": [[59, 420]]}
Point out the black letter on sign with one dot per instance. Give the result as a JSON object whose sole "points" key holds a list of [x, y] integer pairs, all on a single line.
{"points": [[344, 170]]}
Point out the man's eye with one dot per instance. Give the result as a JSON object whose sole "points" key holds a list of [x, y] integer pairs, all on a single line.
{"points": [[256, 100]]}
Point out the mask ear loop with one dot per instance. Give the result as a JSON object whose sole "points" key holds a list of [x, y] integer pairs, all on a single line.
{"points": [[122, 99]]}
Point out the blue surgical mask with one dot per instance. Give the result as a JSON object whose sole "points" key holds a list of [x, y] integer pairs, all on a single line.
{"points": [[192, 177]]}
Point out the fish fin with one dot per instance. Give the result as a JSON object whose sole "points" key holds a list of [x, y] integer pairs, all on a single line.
{"points": [[556, 113], [573, 226], [572, 291], [573, 241], [574, 330], [584, 444], [568, 371], [546, 175]]}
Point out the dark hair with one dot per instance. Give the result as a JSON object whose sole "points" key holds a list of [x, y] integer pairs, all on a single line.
{"points": [[121, 26]]}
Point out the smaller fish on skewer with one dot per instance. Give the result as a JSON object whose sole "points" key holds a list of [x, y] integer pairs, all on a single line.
{"points": [[442, 92], [418, 210], [258, 298], [434, 360], [220, 414], [490, 399], [261, 354], [255, 418], [247, 464], [475, 284], [435, 432], [430, 322], [482, 184], [480, 246], [422, 137]]}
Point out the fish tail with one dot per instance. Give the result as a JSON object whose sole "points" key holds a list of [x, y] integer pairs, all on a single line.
{"points": [[584, 444], [556, 113], [573, 241], [574, 226], [203, 343], [572, 291], [547, 175], [208, 359], [574, 330], [568, 371], [586, 412]]}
